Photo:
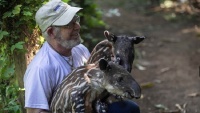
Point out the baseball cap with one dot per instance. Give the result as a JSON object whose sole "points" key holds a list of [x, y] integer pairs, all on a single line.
{"points": [[55, 12]]}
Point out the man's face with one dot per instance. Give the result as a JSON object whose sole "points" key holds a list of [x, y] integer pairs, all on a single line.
{"points": [[68, 36]]}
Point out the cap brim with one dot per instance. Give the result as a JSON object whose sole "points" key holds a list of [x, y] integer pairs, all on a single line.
{"points": [[67, 16]]}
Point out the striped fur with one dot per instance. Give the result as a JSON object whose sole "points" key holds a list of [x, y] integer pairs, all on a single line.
{"points": [[102, 50], [85, 85], [69, 97]]}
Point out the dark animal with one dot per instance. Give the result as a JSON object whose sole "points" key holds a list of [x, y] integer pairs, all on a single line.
{"points": [[117, 48], [87, 83]]}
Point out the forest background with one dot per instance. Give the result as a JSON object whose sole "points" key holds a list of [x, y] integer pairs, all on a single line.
{"points": [[20, 37]]}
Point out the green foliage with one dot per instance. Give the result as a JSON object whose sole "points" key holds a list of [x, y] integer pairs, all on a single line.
{"points": [[8, 88], [16, 19], [3, 34], [17, 23], [18, 45]]}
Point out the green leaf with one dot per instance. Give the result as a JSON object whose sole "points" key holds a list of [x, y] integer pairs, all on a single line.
{"points": [[7, 14], [7, 72], [2, 34], [27, 13], [17, 9], [18, 45], [66, 1]]}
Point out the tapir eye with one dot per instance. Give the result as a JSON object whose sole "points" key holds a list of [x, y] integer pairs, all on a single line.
{"points": [[120, 79]]}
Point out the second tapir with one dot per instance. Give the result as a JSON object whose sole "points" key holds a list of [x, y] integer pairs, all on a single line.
{"points": [[116, 48]]}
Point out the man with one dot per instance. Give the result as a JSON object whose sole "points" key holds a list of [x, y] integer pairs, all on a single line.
{"points": [[60, 53]]}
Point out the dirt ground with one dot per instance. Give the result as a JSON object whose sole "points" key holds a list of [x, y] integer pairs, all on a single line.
{"points": [[168, 60]]}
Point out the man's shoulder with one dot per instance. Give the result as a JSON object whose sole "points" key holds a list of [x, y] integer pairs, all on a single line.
{"points": [[45, 59], [41, 63]]}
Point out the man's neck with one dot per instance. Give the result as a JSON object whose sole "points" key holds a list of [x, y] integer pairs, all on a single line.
{"points": [[60, 49]]}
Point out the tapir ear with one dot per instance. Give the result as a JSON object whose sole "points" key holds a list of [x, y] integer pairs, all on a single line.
{"points": [[111, 37], [103, 64], [137, 39]]}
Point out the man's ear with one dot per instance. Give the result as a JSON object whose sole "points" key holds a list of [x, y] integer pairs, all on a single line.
{"points": [[50, 31]]}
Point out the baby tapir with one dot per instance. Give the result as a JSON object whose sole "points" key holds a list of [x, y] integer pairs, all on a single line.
{"points": [[85, 84], [117, 48]]}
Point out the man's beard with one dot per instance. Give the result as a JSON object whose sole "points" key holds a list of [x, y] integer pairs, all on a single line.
{"points": [[68, 44]]}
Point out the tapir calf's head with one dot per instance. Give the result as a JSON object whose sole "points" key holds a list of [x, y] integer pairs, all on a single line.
{"points": [[118, 80], [123, 48]]}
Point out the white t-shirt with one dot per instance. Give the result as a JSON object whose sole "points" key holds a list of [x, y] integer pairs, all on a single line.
{"points": [[45, 73]]}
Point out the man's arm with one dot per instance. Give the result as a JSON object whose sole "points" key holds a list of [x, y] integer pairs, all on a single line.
{"points": [[36, 110]]}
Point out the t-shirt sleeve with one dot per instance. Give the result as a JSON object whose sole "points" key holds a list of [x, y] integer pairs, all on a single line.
{"points": [[38, 88]]}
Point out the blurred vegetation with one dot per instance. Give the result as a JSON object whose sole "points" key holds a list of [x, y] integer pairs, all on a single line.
{"points": [[20, 37]]}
